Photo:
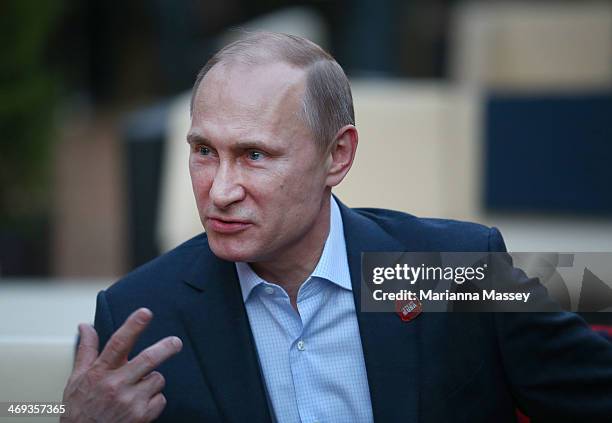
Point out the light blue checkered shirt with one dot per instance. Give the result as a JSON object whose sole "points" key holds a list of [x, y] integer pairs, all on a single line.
{"points": [[313, 362]]}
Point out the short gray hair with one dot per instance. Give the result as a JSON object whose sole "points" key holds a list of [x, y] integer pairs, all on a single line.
{"points": [[327, 104]]}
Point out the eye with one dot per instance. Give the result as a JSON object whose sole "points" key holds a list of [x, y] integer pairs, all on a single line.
{"points": [[255, 155], [203, 150]]}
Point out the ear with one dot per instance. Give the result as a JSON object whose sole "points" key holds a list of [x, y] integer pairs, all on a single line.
{"points": [[342, 154]]}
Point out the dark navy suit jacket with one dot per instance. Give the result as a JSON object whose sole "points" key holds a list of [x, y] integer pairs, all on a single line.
{"points": [[440, 367]]}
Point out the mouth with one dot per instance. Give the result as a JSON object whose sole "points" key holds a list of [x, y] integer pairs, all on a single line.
{"points": [[226, 226]]}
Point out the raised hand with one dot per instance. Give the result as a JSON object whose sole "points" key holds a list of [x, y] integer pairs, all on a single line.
{"points": [[109, 388]]}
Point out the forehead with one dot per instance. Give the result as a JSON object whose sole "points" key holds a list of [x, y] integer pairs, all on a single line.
{"points": [[240, 96]]}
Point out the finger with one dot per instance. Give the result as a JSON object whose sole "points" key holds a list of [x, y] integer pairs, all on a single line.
{"points": [[151, 384], [148, 359], [155, 407], [121, 343], [87, 351]]}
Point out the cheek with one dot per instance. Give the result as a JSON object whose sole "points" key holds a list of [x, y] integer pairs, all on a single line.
{"points": [[301, 185], [294, 197], [201, 182]]}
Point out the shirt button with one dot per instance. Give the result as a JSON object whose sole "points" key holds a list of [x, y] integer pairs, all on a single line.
{"points": [[300, 345], [269, 290]]}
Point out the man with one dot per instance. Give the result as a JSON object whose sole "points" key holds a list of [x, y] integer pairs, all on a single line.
{"points": [[263, 308]]}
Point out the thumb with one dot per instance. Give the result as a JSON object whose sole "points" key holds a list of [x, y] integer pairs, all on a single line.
{"points": [[87, 350]]}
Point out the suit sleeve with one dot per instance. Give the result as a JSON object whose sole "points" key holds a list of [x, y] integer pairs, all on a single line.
{"points": [[103, 322], [558, 368]]}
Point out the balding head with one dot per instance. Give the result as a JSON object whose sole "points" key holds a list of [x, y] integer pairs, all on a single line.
{"points": [[326, 105]]}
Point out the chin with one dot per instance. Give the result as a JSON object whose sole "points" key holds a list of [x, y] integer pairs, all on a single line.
{"points": [[231, 250]]}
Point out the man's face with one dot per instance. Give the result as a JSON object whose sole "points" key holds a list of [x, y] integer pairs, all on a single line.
{"points": [[258, 178]]}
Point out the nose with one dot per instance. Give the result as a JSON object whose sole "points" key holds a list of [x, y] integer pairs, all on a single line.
{"points": [[226, 188]]}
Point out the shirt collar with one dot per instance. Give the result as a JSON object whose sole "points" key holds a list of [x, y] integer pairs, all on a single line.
{"points": [[332, 266]]}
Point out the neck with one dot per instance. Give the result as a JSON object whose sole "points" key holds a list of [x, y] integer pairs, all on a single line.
{"points": [[298, 262]]}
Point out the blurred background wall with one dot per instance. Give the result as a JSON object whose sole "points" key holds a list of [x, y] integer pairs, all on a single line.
{"points": [[496, 111], [493, 111]]}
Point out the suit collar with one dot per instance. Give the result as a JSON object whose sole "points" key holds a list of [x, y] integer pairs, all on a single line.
{"points": [[218, 329], [390, 346]]}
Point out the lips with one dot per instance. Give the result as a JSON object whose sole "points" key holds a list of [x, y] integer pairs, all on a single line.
{"points": [[226, 226]]}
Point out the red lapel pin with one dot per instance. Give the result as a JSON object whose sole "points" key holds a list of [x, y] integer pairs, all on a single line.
{"points": [[408, 309]]}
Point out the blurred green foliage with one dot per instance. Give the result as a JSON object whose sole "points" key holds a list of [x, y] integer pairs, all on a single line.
{"points": [[28, 96]]}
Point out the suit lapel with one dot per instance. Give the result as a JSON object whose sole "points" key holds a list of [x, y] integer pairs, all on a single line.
{"points": [[390, 346], [219, 331]]}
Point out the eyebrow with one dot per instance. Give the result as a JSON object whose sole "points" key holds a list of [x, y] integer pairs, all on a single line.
{"points": [[194, 138]]}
